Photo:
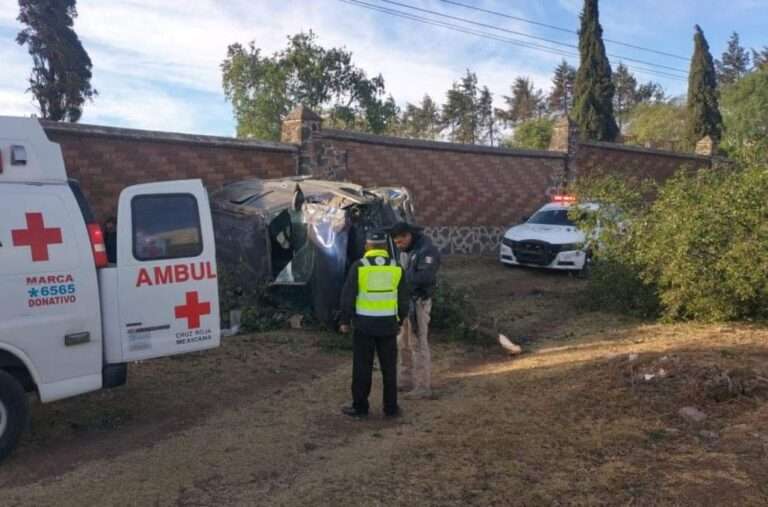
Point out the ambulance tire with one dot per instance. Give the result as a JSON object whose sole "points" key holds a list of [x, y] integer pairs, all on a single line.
{"points": [[14, 413]]}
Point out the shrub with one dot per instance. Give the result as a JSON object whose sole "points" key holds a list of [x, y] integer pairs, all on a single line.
{"points": [[453, 311], [698, 252]]}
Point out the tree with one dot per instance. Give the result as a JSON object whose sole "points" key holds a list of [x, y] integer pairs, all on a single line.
{"points": [[561, 98], [659, 125], [487, 117], [650, 92], [61, 72], [461, 110], [760, 59], [734, 63], [703, 111], [525, 102], [533, 134], [263, 89], [745, 114], [422, 121], [593, 89], [626, 94]]}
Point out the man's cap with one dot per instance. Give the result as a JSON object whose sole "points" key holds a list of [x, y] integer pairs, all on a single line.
{"points": [[376, 236], [403, 227]]}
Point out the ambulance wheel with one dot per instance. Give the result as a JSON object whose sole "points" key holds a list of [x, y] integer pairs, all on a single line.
{"points": [[14, 413]]}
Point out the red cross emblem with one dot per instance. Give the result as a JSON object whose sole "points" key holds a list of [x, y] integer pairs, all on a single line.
{"points": [[36, 237], [192, 310]]}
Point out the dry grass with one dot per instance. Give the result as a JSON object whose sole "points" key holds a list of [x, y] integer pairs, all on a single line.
{"points": [[572, 421]]}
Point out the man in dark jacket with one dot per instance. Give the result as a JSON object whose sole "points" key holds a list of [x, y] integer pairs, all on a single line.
{"points": [[421, 261], [374, 301]]}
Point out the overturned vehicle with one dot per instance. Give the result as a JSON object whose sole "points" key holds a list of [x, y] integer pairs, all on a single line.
{"points": [[293, 239]]}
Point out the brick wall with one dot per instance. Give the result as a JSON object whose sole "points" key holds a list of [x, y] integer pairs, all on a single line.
{"points": [[466, 195], [591, 157], [105, 160]]}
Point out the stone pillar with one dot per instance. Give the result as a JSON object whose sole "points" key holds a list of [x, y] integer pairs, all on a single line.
{"points": [[565, 138], [707, 147], [298, 128]]}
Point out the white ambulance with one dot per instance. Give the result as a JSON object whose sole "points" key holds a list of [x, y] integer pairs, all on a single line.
{"points": [[70, 320]]}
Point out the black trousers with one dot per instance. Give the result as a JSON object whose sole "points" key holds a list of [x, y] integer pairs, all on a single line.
{"points": [[364, 346]]}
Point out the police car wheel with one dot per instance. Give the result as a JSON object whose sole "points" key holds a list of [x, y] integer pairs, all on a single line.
{"points": [[14, 413]]}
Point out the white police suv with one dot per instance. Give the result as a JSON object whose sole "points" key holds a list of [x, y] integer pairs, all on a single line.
{"points": [[548, 239]]}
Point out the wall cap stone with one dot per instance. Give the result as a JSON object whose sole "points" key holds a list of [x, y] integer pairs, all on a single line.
{"points": [[164, 137], [343, 135], [644, 151]]}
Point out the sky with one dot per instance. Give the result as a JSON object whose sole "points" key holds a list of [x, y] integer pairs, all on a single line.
{"points": [[156, 65]]}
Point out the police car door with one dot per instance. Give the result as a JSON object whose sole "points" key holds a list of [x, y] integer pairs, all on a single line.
{"points": [[166, 260]]}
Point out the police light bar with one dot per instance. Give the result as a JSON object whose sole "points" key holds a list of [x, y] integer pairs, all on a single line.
{"points": [[563, 198]]}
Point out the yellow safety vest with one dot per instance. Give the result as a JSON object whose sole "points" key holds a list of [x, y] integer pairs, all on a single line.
{"points": [[377, 280]]}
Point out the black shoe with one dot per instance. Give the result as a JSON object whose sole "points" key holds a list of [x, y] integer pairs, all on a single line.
{"points": [[353, 412], [393, 415]]}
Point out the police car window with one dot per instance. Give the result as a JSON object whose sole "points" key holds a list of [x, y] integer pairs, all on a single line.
{"points": [[165, 226], [551, 217]]}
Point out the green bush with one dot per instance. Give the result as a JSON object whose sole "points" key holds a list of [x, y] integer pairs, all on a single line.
{"points": [[453, 311], [698, 251]]}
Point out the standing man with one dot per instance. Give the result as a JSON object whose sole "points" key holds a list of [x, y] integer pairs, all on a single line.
{"points": [[375, 301], [421, 260]]}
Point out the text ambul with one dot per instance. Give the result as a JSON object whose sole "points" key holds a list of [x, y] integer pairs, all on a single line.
{"points": [[177, 273]]}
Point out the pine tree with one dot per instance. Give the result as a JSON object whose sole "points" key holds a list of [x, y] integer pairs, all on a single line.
{"points": [[734, 63], [561, 98], [487, 117], [61, 72], [524, 103], [461, 112], [593, 89], [703, 111], [760, 59], [626, 96]]}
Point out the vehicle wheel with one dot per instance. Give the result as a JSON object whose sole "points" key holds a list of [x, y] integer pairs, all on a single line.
{"points": [[14, 413]]}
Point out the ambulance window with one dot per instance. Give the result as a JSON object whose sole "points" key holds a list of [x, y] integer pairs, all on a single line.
{"points": [[165, 226]]}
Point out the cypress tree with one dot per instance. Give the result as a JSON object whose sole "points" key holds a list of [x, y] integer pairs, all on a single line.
{"points": [[61, 76], [703, 111], [593, 90]]}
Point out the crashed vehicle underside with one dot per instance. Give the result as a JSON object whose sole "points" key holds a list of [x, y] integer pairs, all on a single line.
{"points": [[298, 236]]}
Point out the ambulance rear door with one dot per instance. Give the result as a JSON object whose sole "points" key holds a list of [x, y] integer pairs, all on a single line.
{"points": [[167, 287]]}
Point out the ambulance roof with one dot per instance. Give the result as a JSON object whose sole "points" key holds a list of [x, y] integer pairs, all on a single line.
{"points": [[26, 154]]}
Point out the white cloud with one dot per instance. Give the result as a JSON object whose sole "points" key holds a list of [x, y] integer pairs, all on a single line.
{"points": [[156, 64]]}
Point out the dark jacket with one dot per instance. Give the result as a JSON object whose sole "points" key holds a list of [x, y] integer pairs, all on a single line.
{"points": [[423, 264], [373, 326]]}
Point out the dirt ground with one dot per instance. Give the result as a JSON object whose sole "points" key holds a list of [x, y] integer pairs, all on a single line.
{"points": [[588, 415]]}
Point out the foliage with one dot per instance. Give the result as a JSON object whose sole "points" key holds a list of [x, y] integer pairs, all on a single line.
{"points": [[525, 102], [734, 63], [760, 59], [593, 89], [615, 278], [699, 251], [61, 73], [745, 114], [453, 311], [625, 97], [560, 99], [422, 121], [533, 134], [660, 125], [460, 110], [703, 110], [705, 245], [487, 117], [263, 89]]}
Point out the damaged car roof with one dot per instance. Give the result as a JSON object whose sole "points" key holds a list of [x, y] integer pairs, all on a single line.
{"points": [[277, 194]]}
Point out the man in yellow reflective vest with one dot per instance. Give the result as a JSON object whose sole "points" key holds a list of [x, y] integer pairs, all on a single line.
{"points": [[374, 301]]}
